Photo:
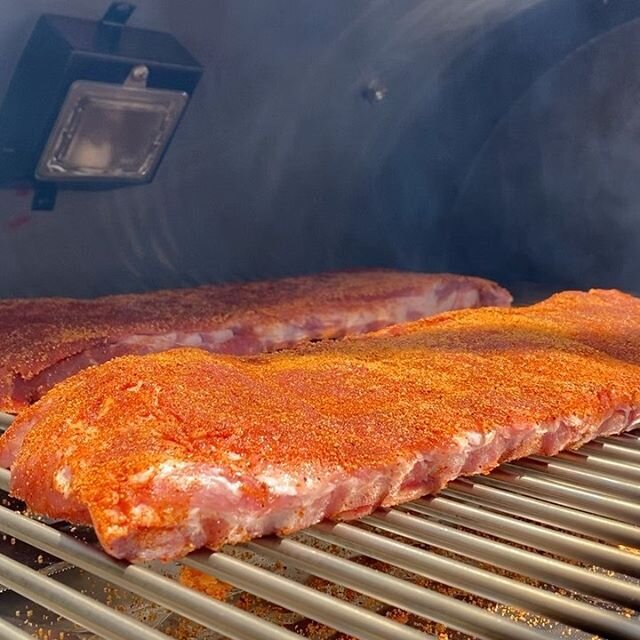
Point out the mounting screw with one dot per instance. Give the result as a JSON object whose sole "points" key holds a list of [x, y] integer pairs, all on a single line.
{"points": [[374, 92], [141, 72], [137, 76]]}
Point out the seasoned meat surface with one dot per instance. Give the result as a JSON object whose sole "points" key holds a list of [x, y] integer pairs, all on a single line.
{"points": [[45, 340], [169, 452]]}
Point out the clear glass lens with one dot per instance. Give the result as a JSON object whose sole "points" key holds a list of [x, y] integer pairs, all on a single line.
{"points": [[110, 131]]}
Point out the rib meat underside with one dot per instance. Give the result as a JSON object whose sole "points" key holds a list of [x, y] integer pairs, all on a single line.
{"points": [[47, 340]]}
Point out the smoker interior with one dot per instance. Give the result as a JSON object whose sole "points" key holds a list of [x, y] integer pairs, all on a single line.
{"points": [[504, 145], [493, 137]]}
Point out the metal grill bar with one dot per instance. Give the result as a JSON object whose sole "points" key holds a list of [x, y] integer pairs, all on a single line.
{"points": [[591, 463], [72, 605], [496, 494], [540, 484], [615, 451], [531, 535], [463, 576], [304, 600], [11, 632], [5, 478], [215, 615], [626, 440], [394, 591], [581, 476], [515, 560]]}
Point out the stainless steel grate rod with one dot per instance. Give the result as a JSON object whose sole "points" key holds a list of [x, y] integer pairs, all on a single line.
{"points": [[499, 495], [466, 577], [603, 460], [614, 450], [581, 476], [296, 597], [509, 528], [502, 555], [540, 484], [9, 631], [5, 478], [627, 440], [71, 604], [211, 613], [394, 591]]}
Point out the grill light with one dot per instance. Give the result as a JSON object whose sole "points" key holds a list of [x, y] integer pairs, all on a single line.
{"points": [[92, 105], [110, 132]]}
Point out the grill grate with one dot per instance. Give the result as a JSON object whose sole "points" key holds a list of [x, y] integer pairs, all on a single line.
{"points": [[545, 547]]}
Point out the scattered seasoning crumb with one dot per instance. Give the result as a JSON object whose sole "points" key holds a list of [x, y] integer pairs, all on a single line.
{"points": [[633, 550], [398, 615], [204, 583]]}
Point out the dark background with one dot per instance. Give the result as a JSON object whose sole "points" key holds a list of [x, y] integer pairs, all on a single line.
{"points": [[506, 145]]}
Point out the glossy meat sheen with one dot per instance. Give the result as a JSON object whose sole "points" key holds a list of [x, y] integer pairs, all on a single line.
{"points": [[169, 452], [43, 341]]}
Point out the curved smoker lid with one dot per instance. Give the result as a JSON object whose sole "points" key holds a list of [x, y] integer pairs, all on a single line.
{"points": [[281, 165]]}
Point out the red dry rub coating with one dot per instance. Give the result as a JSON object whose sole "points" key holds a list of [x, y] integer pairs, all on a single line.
{"points": [[45, 340], [209, 585], [169, 452]]}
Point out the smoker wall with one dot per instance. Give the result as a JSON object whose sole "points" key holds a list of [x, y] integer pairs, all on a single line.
{"points": [[505, 145]]}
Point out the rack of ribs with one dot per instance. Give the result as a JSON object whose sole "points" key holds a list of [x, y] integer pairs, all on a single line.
{"points": [[169, 452], [45, 340]]}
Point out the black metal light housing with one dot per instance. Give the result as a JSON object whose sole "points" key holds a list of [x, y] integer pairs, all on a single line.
{"points": [[92, 105]]}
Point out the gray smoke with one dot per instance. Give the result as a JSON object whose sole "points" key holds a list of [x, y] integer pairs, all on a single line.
{"points": [[280, 166], [554, 196]]}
